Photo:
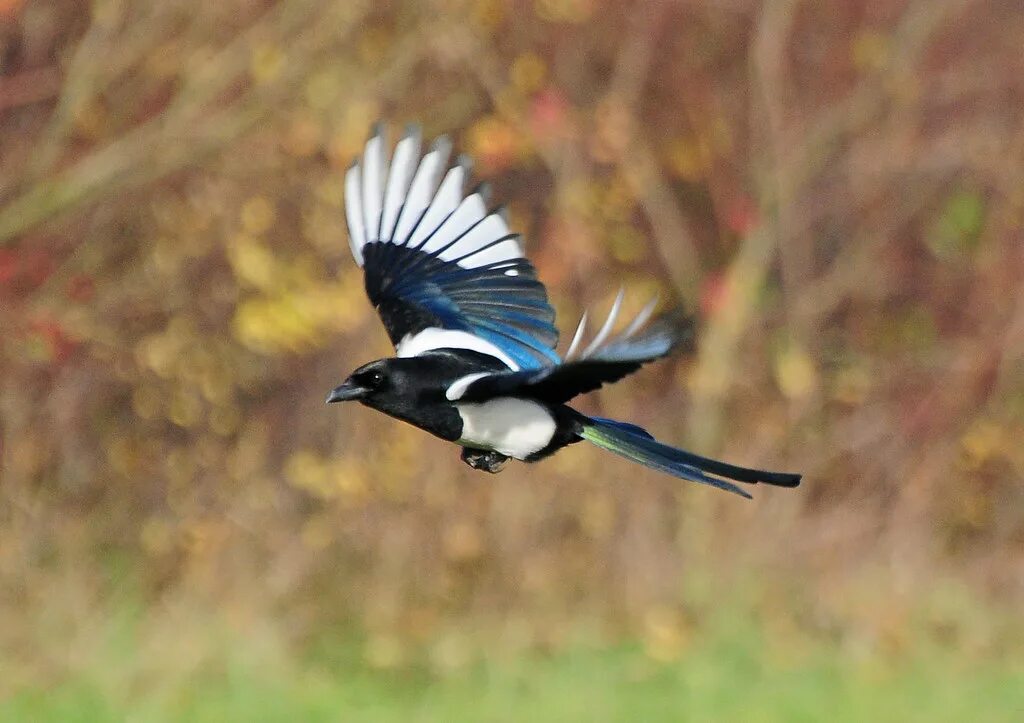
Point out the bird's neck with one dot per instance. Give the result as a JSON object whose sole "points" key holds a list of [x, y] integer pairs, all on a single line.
{"points": [[439, 417]]}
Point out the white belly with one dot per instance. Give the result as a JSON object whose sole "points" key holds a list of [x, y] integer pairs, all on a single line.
{"points": [[514, 427]]}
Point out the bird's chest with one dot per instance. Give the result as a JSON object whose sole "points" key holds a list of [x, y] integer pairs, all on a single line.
{"points": [[513, 427]]}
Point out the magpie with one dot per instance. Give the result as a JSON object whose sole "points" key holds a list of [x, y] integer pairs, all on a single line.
{"points": [[474, 333]]}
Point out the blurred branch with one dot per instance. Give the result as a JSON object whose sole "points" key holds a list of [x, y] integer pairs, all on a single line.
{"points": [[638, 162], [909, 41], [672, 235], [635, 159], [1004, 236], [564, 160], [855, 271], [719, 341], [29, 86], [188, 129], [777, 197], [725, 326], [92, 66], [784, 179]]}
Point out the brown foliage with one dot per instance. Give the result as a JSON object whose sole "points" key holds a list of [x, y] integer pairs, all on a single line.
{"points": [[836, 185]]}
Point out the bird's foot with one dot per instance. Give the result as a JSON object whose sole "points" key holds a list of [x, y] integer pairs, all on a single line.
{"points": [[488, 461]]}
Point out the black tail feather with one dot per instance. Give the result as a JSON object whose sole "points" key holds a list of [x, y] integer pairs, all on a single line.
{"points": [[630, 442]]}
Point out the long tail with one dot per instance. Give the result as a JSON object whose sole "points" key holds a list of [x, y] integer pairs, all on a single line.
{"points": [[634, 443]]}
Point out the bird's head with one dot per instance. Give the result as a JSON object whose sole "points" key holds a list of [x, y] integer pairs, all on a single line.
{"points": [[364, 384]]}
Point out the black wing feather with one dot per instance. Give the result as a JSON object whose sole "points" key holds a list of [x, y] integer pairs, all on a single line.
{"points": [[558, 384]]}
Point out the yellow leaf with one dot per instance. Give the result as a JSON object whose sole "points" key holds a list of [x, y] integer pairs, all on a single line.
{"points": [[870, 50], [489, 13], [258, 214], [665, 634], [185, 408], [567, 11], [266, 63], [795, 372], [982, 441], [851, 385], [528, 72], [157, 536], [303, 137], [307, 470], [224, 420], [146, 401], [384, 652], [317, 533], [252, 262]]}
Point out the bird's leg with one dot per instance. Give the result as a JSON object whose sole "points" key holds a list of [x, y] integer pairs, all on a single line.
{"points": [[488, 461]]}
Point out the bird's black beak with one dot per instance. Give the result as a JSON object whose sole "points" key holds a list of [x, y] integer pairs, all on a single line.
{"points": [[347, 392]]}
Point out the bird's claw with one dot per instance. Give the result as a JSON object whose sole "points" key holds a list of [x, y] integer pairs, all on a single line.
{"points": [[488, 461]]}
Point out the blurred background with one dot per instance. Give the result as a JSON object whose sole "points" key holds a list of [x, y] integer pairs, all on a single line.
{"points": [[188, 533]]}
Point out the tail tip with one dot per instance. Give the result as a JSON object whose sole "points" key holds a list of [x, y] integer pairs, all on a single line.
{"points": [[782, 479]]}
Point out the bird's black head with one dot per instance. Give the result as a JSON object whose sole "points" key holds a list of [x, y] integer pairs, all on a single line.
{"points": [[411, 389], [365, 383]]}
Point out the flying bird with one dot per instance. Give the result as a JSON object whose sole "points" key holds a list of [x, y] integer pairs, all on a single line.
{"points": [[474, 333]]}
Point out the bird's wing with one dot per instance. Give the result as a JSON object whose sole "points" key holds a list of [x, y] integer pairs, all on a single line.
{"points": [[442, 269], [597, 365]]}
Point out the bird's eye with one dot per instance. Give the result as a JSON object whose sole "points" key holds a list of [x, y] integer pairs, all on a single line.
{"points": [[372, 379]]}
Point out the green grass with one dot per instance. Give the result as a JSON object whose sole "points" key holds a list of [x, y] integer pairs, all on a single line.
{"points": [[724, 677]]}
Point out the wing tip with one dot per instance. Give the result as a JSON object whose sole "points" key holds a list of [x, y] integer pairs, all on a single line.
{"points": [[679, 326], [670, 331], [441, 143], [413, 130], [379, 130], [483, 189]]}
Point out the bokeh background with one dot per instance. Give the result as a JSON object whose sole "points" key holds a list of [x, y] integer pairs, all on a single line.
{"points": [[188, 533]]}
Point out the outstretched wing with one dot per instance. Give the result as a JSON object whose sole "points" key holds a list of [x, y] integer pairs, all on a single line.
{"points": [[600, 363], [442, 269]]}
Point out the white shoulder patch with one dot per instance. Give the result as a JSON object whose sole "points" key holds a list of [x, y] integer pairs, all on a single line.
{"points": [[436, 338], [459, 386]]}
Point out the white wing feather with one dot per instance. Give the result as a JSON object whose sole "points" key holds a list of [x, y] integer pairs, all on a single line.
{"points": [[354, 213], [424, 184], [446, 200], [403, 165], [468, 214], [374, 173]]}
